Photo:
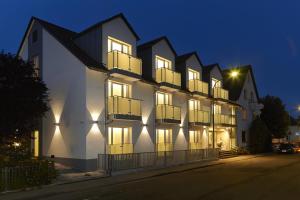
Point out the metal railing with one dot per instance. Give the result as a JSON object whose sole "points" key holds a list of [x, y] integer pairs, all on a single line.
{"points": [[118, 162], [164, 111], [196, 85], [119, 148], [199, 116], [225, 119], [220, 93], [123, 61], [168, 76], [124, 106]]}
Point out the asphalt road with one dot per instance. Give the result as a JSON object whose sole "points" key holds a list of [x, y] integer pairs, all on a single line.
{"points": [[267, 177]]}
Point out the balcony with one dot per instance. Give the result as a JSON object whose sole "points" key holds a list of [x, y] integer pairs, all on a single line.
{"points": [[225, 120], [124, 65], [220, 93], [199, 117], [168, 78], [161, 147], [198, 86], [168, 114], [124, 108], [119, 148]]}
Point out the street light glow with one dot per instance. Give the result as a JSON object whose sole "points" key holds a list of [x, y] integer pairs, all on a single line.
{"points": [[298, 107], [234, 73]]}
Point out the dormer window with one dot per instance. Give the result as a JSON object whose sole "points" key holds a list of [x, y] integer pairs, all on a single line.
{"points": [[117, 45], [162, 63], [193, 75], [215, 83]]}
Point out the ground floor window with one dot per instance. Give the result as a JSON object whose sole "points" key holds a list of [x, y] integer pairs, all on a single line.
{"points": [[198, 139], [120, 140], [36, 143], [164, 140]]}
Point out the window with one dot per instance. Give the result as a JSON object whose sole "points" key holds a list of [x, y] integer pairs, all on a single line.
{"points": [[163, 98], [118, 89], [244, 136], [195, 136], [117, 45], [162, 63], [120, 140], [34, 36], [164, 140], [36, 143], [215, 83], [217, 109], [245, 94], [36, 66], [194, 104], [193, 74]]}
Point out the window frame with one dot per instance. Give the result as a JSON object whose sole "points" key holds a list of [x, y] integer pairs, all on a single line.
{"points": [[112, 40], [164, 60]]}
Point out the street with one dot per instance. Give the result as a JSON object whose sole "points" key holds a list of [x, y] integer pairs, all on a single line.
{"points": [[264, 177]]}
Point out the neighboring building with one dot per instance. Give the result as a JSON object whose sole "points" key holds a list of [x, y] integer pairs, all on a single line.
{"points": [[243, 90], [294, 134], [110, 96]]}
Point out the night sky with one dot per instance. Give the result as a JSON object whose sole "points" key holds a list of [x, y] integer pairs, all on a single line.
{"points": [[265, 34]]}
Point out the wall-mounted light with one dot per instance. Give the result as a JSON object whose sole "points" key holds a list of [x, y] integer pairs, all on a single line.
{"points": [[95, 122], [144, 124], [56, 123]]}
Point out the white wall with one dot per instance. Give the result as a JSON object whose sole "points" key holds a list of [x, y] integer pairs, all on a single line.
{"points": [[64, 75], [24, 50]]}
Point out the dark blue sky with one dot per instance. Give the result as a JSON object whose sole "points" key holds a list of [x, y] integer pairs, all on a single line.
{"points": [[265, 33]]}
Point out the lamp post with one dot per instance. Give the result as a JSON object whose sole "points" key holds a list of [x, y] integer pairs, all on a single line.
{"points": [[233, 74]]}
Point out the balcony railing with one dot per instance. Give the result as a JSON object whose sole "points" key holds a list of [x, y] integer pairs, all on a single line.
{"points": [[195, 145], [124, 106], [168, 112], [199, 116], [225, 119], [164, 75], [220, 93], [164, 147], [122, 61], [119, 148], [196, 85]]}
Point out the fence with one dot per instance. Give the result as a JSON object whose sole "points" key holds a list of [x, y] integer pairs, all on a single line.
{"points": [[116, 162], [14, 177]]}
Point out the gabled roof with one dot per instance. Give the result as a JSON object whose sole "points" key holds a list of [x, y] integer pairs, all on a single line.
{"points": [[235, 86], [207, 69], [184, 57], [155, 41], [108, 20], [65, 37]]}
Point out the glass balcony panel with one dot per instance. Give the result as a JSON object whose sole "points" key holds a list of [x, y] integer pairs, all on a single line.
{"points": [[225, 119], [124, 106], [120, 148], [164, 147], [220, 93], [164, 111], [168, 76], [126, 62], [199, 116], [196, 85]]}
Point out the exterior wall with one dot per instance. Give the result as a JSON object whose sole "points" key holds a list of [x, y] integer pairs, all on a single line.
{"points": [[244, 124], [118, 29], [65, 77], [194, 64], [215, 73], [24, 50], [162, 49]]}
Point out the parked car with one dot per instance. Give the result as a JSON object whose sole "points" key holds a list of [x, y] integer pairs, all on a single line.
{"points": [[286, 148]]}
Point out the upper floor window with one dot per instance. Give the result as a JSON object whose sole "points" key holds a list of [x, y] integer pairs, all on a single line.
{"points": [[217, 109], [117, 45], [36, 65], [162, 63], [34, 36], [215, 83], [194, 104], [163, 98], [118, 89], [193, 74]]}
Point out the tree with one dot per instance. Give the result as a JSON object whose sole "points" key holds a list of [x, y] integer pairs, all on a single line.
{"points": [[23, 99], [260, 139], [275, 116]]}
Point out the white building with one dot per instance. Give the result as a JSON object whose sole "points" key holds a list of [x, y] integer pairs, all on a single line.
{"points": [[110, 96]]}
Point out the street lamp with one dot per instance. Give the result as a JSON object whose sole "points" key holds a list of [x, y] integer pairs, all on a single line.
{"points": [[233, 74]]}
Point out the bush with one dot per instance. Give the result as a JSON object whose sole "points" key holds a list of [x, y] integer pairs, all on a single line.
{"points": [[22, 174], [260, 139]]}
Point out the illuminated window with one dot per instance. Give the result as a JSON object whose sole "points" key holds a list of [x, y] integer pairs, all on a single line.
{"points": [[117, 45], [195, 136], [36, 143], [120, 140], [164, 140], [215, 83], [162, 63], [163, 98], [217, 109], [193, 74], [118, 89], [194, 104]]}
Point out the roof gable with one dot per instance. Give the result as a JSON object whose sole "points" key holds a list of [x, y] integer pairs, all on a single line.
{"points": [[151, 43], [185, 57]]}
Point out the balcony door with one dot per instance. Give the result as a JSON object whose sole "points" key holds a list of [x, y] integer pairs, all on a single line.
{"points": [[162, 63], [118, 45], [193, 75], [164, 140], [194, 104], [118, 89], [119, 140], [163, 98], [215, 83]]}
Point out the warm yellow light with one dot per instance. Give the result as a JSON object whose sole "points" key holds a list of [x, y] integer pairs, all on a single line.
{"points": [[16, 144], [234, 73], [298, 108]]}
